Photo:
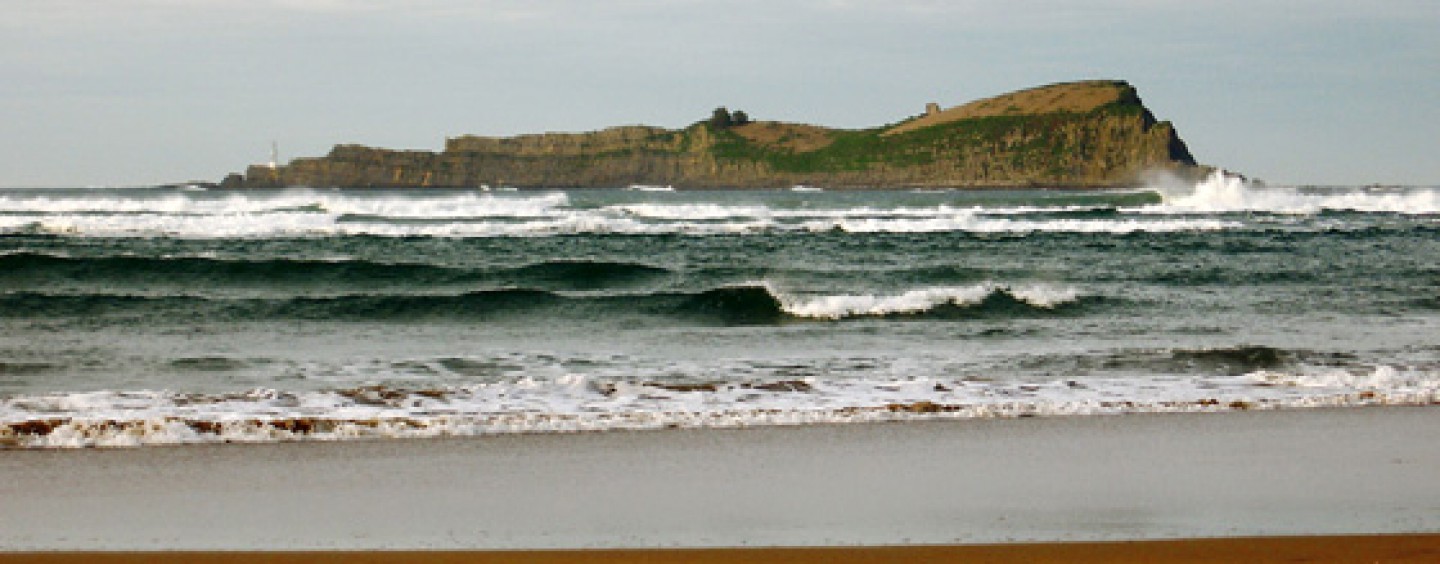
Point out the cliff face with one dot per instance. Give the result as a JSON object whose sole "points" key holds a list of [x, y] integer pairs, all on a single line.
{"points": [[1095, 133]]}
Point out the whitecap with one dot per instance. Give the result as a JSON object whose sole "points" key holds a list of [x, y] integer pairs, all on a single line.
{"points": [[919, 300], [1221, 193]]}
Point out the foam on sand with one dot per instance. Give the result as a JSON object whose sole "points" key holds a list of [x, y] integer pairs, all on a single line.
{"points": [[575, 403]]}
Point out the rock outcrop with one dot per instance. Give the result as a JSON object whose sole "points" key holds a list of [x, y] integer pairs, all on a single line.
{"points": [[1081, 134]]}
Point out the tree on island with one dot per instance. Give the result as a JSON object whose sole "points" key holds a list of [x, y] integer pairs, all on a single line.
{"points": [[721, 118]]}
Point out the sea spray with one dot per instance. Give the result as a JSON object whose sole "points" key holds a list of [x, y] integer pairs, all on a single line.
{"points": [[1221, 192]]}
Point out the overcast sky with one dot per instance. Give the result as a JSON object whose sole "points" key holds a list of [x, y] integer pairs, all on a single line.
{"points": [[127, 92]]}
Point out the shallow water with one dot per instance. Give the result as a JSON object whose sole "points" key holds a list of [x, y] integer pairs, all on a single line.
{"points": [[144, 316]]}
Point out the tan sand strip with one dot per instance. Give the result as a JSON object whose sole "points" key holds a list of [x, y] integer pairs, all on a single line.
{"points": [[1318, 549]]}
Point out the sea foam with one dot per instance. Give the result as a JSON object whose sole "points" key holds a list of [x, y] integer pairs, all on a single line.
{"points": [[439, 205], [1220, 193], [325, 213], [575, 403], [919, 300]]}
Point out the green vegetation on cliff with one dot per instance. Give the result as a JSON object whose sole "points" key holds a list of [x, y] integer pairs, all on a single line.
{"points": [[1094, 133]]}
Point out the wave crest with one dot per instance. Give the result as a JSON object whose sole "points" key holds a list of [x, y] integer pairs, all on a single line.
{"points": [[926, 300], [742, 304], [295, 200], [328, 213], [1221, 193], [1379, 378]]}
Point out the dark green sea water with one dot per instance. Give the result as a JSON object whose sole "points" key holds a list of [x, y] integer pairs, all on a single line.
{"points": [[143, 316]]}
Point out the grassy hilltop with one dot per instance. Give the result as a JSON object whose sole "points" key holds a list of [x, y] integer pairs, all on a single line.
{"points": [[1079, 134]]}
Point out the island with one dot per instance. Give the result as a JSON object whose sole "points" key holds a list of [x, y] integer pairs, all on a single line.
{"points": [[1087, 134]]}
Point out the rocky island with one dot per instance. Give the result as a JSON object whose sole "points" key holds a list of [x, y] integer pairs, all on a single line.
{"points": [[1076, 134]]}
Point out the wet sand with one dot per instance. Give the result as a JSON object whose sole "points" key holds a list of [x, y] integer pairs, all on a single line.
{"points": [[1253, 474], [1317, 550]]}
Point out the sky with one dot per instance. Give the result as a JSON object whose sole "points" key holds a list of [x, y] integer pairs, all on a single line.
{"points": [[134, 92]]}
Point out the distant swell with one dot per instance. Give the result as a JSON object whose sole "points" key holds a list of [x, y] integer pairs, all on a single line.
{"points": [[585, 274], [291, 201], [113, 269], [730, 304], [32, 269]]}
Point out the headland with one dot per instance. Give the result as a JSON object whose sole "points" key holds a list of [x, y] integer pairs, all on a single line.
{"points": [[1088, 134]]}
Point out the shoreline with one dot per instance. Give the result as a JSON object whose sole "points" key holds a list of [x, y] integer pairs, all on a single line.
{"points": [[926, 415], [1315, 549], [1038, 187], [1136, 477]]}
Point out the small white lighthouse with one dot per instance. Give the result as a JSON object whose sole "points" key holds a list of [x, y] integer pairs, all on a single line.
{"points": [[274, 155]]}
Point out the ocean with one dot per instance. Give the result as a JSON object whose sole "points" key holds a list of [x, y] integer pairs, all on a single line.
{"points": [[149, 316]]}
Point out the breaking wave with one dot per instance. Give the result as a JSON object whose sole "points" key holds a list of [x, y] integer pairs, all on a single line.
{"points": [[981, 298], [560, 223], [441, 204], [1222, 193], [321, 213], [758, 303]]}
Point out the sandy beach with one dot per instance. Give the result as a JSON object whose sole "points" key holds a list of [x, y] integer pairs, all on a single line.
{"points": [[1389, 549], [1265, 474]]}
